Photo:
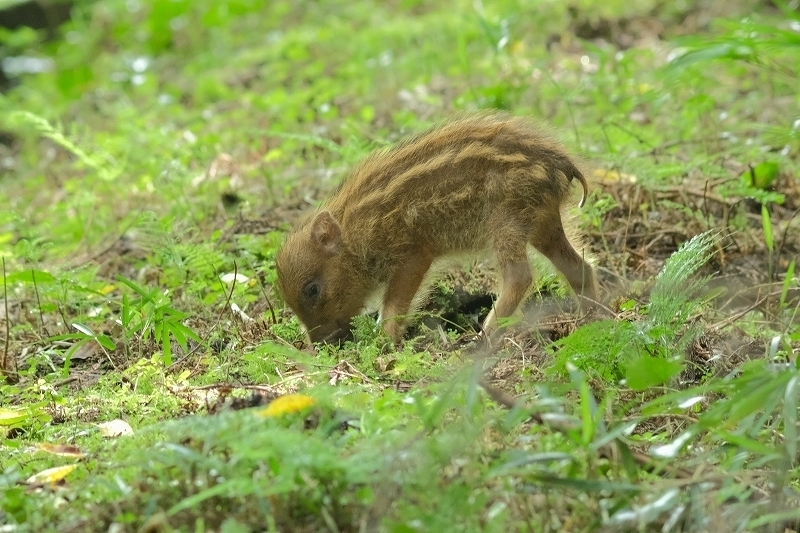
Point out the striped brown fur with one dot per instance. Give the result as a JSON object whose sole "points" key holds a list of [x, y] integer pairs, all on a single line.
{"points": [[490, 183]]}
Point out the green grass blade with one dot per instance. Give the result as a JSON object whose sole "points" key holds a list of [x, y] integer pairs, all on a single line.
{"points": [[766, 223], [787, 282]]}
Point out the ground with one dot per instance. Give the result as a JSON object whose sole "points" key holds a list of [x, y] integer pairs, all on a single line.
{"points": [[150, 173]]}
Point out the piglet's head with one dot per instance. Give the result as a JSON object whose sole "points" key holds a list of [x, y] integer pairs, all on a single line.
{"points": [[316, 281]]}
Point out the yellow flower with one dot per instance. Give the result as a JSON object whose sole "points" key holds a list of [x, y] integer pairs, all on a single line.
{"points": [[289, 403]]}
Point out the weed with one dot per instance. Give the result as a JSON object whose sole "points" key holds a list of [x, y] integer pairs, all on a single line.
{"points": [[151, 316], [85, 335], [645, 353]]}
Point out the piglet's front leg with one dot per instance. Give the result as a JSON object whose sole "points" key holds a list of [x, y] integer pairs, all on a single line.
{"points": [[403, 286]]}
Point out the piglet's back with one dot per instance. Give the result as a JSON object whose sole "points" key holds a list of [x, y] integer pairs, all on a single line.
{"points": [[440, 188]]}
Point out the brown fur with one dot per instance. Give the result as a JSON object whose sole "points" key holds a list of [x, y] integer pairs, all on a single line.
{"points": [[486, 183]]}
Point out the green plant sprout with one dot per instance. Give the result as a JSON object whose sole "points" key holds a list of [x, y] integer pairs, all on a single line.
{"points": [[150, 315]]}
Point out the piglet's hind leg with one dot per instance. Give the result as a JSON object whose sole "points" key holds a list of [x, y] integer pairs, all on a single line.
{"points": [[554, 244]]}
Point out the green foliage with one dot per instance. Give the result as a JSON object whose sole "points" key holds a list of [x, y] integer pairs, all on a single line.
{"points": [[766, 45], [367, 331], [602, 348], [85, 335], [787, 282], [647, 372], [756, 184], [288, 330], [764, 174], [101, 163], [756, 414], [648, 352], [268, 470], [151, 316], [744, 39], [29, 276], [674, 298], [33, 415]]}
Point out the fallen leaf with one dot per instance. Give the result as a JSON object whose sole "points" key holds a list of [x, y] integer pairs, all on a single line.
{"points": [[230, 277], [51, 475], [115, 428], [87, 350], [64, 450], [612, 176], [384, 364], [10, 417]]}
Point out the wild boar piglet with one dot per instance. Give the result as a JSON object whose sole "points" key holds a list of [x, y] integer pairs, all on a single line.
{"points": [[491, 183]]}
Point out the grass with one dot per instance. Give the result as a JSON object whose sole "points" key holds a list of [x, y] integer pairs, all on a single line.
{"points": [[147, 181]]}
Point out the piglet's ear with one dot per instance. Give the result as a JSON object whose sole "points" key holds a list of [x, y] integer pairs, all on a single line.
{"points": [[326, 232]]}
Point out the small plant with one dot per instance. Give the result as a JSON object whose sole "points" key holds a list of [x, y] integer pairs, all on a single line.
{"points": [[102, 163], [761, 399], [766, 224], [745, 39], [85, 335], [648, 352], [288, 330], [367, 331], [151, 316]]}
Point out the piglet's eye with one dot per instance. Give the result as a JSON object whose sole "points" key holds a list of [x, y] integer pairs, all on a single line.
{"points": [[311, 291]]}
